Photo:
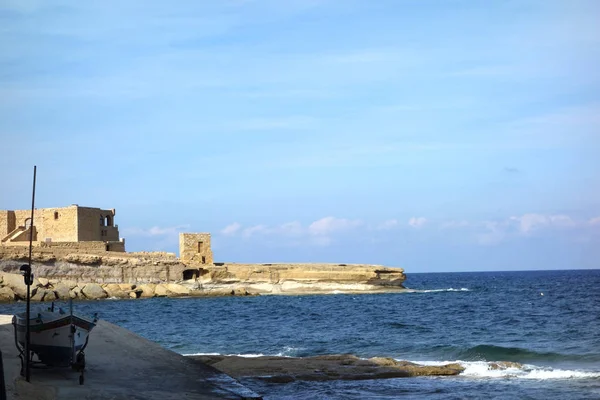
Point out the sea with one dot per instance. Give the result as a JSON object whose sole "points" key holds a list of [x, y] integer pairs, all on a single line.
{"points": [[549, 321]]}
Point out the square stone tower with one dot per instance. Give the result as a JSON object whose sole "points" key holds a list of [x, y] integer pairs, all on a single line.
{"points": [[195, 247]]}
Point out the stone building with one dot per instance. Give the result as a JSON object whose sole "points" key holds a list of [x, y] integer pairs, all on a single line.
{"points": [[195, 248], [90, 228]]}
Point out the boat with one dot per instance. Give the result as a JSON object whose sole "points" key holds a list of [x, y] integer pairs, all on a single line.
{"points": [[56, 337]]}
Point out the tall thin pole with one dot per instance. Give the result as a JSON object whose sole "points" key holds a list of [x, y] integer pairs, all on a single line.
{"points": [[29, 279]]}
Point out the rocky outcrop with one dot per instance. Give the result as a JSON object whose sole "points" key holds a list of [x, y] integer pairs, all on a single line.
{"points": [[323, 368], [144, 275]]}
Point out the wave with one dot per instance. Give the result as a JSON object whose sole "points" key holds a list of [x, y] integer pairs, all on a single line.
{"points": [[482, 369], [487, 352], [438, 290]]}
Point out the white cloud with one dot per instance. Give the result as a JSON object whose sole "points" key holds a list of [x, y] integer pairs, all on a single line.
{"points": [[328, 225], [529, 223], [387, 225], [253, 230], [594, 221], [417, 222], [231, 229], [156, 231]]}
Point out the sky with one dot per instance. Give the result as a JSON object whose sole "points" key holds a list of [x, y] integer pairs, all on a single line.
{"points": [[435, 136]]}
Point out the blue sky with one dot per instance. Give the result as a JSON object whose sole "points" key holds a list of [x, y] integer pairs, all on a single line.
{"points": [[429, 135]]}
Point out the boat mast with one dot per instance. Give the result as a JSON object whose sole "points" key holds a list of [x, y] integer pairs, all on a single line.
{"points": [[28, 281]]}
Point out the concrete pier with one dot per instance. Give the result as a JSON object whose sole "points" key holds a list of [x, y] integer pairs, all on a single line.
{"points": [[119, 365]]}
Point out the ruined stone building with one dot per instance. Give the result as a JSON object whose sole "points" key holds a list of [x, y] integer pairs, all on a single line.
{"points": [[83, 228]]}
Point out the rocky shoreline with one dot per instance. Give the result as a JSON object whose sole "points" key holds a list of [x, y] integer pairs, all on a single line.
{"points": [[145, 275], [329, 367]]}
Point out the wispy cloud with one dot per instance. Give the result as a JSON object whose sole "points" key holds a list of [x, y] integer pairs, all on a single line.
{"points": [[231, 229], [417, 222], [329, 225], [156, 231]]}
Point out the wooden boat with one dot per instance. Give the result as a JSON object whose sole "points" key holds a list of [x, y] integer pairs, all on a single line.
{"points": [[57, 338]]}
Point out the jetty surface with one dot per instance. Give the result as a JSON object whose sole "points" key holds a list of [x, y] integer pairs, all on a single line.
{"points": [[119, 365]]}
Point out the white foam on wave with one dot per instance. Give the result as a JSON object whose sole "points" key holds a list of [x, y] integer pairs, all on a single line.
{"points": [[483, 369], [442, 290]]}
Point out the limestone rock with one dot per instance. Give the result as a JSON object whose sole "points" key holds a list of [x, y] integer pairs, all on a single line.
{"points": [[178, 290], [94, 291], [50, 295], [38, 294], [16, 283], [62, 291], [504, 365], [43, 282], [133, 294], [115, 290], [147, 290], [75, 292], [6, 294], [161, 291]]}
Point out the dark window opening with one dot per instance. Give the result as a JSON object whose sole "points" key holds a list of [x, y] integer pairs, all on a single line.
{"points": [[200, 244], [108, 221], [203, 260], [55, 214], [101, 220], [107, 247]]}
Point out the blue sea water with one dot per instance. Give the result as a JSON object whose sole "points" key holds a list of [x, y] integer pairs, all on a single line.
{"points": [[547, 320]]}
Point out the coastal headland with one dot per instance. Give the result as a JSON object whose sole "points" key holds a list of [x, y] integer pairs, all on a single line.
{"points": [[77, 253], [62, 274]]}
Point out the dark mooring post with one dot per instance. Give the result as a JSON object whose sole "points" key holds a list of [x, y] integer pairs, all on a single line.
{"points": [[28, 281]]}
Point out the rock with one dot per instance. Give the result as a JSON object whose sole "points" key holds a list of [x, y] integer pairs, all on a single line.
{"points": [[147, 290], [133, 294], [178, 290], [161, 291], [50, 295], [16, 283], [94, 291], [115, 290], [38, 294], [6, 294], [126, 286], [504, 365], [43, 282], [62, 291], [75, 292]]}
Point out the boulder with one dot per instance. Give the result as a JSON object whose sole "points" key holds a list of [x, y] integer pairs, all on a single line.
{"points": [[6, 294], [161, 291], [177, 290], [75, 292], [133, 294], [115, 290], [50, 295], [43, 282], [38, 294], [94, 291], [62, 291], [126, 286], [16, 283], [147, 290]]}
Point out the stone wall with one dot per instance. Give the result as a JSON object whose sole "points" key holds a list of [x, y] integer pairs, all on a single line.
{"points": [[96, 224], [57, 224]]}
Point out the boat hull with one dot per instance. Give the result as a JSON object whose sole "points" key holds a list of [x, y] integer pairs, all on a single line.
{"points": [[55, 338]]}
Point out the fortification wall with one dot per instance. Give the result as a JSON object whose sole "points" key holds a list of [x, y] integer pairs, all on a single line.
{"points": [[57, 224]]}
